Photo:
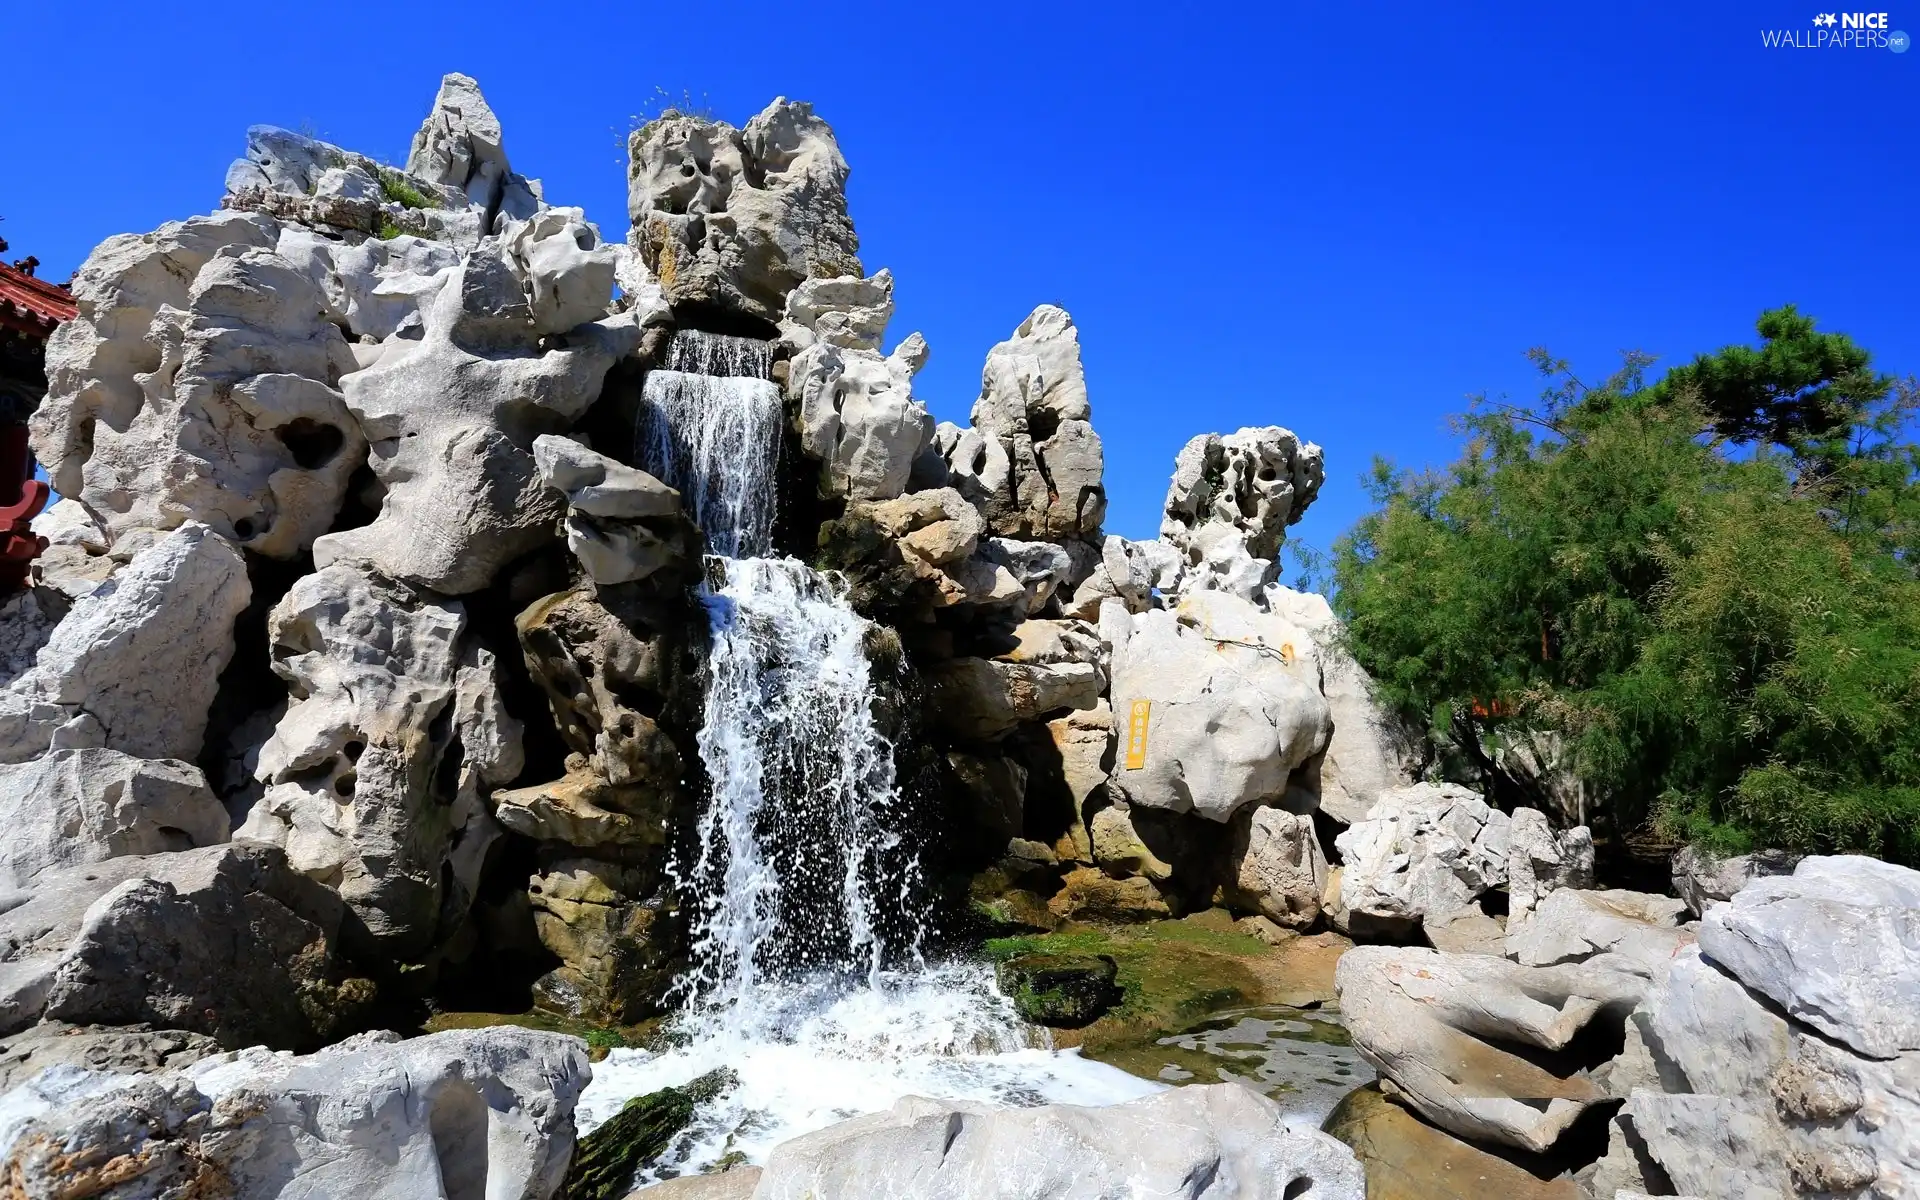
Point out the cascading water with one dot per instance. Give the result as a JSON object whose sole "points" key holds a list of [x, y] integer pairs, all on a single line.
{"points": [[807, 980]]}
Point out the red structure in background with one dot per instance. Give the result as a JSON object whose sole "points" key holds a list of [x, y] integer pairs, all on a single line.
{"points": [[30, 309]]}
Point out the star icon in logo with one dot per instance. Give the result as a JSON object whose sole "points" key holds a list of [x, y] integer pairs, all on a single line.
{"points": [[1827, 19]]}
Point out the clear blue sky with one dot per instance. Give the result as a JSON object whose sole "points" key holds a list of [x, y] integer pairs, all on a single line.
{"points": [[1337, 218]]}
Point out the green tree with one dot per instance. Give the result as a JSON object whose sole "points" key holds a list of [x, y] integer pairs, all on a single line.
{"points": [[1704, 586]]}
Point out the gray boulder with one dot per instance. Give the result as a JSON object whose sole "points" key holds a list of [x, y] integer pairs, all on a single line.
{"points": [[1703, 880], [1541, 862], [1230, 502], [736, 219], [135, 665], [225, 941], [858, 416], [1202, 1142], [622, 523], [1630, 932], [1230, 702], [200, 382], [100, 1049], [378, 773], [1275, 865], [1425, 852], [848, 312], [456, 1116], [71, 807], [983, 700]]}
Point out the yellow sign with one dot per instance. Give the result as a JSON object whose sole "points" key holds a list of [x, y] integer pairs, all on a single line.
{"points": [[1137, 735], [1286, 653]]}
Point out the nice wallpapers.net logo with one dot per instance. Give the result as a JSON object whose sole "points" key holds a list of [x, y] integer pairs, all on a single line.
{"points": [[1840, 31]]}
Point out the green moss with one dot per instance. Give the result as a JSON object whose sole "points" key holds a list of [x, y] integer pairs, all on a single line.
{"points": [[599, 1038], [1240, 945], [1169, 972], [606, 1160], [387, 230]]}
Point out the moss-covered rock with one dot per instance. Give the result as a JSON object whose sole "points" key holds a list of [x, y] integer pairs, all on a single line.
{"points": [[1066, 991], [606, 1160]]}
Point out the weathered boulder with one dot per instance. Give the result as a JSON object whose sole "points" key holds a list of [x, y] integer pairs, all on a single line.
{"points": [[1426, 851], [1369, 752], [1083, 747], [71, 807], [1703, 880], [1630, 932], [1090, 894], [1032, 459], [378, 773], [622, 523], [225, 941], [1203, 1142], [983, 700], [1231, 704], [1118, 846], [1407, 1159], [460, 146], [612, 928], [1041, 567], [200, 382], [858, 416], [925, 544], [1230, 502], [450, 416], [455, 1116], [1275, 865], [847, 311], [1540, 861], [735, 219], [1436, 1025], [1777, 936], [135, 665], [101, 1049]]}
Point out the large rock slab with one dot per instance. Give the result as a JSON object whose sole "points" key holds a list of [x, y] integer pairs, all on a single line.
{"points": [[1230, 502], [1408, 1159], [135, 665], [1777, 937], [733, 220], [71, 807], [1203, 1142], [983, 700], [200, 382], [1437, 1027], [623, 525], [462, 1115], [1633, 932], [1233, 704], [100, 1049], [379, 772], [225, 941]]}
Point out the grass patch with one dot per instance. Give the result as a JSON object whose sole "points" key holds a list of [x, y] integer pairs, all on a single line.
{"points": [[395, 186]]}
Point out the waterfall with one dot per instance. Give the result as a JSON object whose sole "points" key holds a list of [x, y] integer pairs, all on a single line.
{"points": [[710, 426], [807, 979]]}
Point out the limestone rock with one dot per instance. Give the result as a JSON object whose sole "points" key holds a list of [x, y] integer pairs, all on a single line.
{"points": [[606, 661], [1632, 932], [1127, 571], [614, 935], [455, 1116], [1233, 704], [1777, 937], [1041, 567], [200, 383], [1407, 1159], [378, 774], [1083, 742], [847, 311], [585, 811], [858, 417], [567, 272], [1434, 1025], [735, 219], [135, 665], [460, 146], [1275, 865], [103, 1049], [1540, 861], [622, 523], [1065, 991], [983, 700], [1230, 502], [27, 619], [1033, 458], [450, 417], [1370, 752], [224, 941], [1118, 846], [930, 539], [71, 807], [1703, 880], [1203, 1142], [1088, 894], [1425, 852]]}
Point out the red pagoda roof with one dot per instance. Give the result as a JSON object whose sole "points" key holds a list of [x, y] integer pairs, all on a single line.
{"points": [[32, 306]]}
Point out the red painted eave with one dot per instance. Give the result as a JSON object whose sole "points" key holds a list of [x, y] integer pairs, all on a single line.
{"points": [[32, 305]]}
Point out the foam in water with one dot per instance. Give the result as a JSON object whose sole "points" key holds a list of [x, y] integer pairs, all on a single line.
{"points": [[807, 978]]}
